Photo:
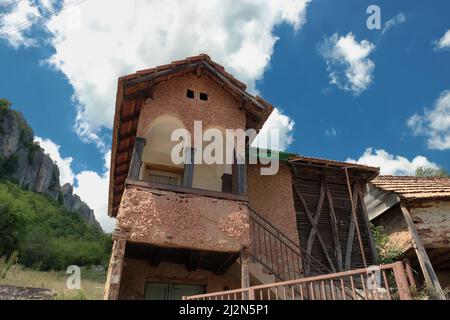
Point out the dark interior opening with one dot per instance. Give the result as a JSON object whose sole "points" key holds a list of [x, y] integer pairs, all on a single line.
{"points": [[203, 96], [190, 94]]}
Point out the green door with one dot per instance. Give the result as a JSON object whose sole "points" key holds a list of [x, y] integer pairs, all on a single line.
{"points": [[156, 291], [170, 291]]}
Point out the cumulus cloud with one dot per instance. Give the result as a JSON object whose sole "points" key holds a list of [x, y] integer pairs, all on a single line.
{"points": [[52, 149], [393, 164], [348, 63], [331, 132], [93, 189], [444, 42], [398, 19], [89, 185], [119, 38], [277, 132], [434, 123]]}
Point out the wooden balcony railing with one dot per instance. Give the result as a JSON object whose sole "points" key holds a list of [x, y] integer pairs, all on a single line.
{"points": [[348, 285]]}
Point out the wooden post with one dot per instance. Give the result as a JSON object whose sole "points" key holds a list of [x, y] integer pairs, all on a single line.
{"points": [[373, 247], [188, 174], [113, 278], [402, 281], [361, 246], [409, 272], [136, 158], [245, 275], [425, 264]]}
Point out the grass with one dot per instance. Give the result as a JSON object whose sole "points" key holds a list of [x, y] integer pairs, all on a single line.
{"points": [[92, 282]]}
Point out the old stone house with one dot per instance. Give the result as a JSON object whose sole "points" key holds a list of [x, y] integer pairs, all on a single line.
{"points": [[415, 214], [185, 229]]}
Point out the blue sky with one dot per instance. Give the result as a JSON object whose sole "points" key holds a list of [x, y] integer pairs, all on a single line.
{"points": [[62, 78]]}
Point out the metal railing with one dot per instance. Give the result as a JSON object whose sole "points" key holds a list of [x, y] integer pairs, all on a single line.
{"points": [[384, 282], [277, 253]]}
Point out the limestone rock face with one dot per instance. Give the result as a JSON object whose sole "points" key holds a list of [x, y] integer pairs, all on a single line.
{"points": [[73, 203], [25, 163]]}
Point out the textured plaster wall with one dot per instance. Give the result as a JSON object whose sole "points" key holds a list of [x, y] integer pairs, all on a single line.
{"points": [[272, 198], [221, 109], [136, 273], [432, 219], [171, 219]]}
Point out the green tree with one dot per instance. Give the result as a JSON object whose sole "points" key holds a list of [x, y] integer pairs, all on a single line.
{"points": [[5, 103], [10, 229], [431, 172]]}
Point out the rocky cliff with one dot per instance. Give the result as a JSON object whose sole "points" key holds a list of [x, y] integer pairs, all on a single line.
{"points": [[23, 161]]}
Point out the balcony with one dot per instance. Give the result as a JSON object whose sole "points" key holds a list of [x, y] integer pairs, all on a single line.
{"points": [[180, 217]]}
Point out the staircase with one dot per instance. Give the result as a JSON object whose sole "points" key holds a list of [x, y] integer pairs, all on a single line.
{"points": [[277, 254], [278, 264]]}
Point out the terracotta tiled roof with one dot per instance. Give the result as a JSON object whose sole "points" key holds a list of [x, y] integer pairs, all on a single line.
{"points": [[413, 188], [200, 57]]}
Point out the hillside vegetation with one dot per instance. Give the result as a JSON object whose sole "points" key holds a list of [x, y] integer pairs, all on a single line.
{"points": [[45, 235]]}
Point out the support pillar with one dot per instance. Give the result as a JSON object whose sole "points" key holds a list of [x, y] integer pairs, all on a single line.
{"points": [[425, 264], [245, 275], [115, 270]]}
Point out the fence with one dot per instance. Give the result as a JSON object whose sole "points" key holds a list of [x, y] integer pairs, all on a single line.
{"points": [[384, 282]]}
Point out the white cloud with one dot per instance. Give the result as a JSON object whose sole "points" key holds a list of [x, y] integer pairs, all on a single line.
{"points": [[277, 122], [91, 187], [331, 132], [65, 171], [434, 123], [398, 19], [391, 164], [115, 38], [347, 62], [444, 42]]}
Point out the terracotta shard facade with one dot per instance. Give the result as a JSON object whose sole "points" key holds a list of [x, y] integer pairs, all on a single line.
{"points": [[170, 219]]}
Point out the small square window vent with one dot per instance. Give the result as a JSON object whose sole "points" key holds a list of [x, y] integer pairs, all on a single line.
{"points": [[190, 94], [203, 96]]}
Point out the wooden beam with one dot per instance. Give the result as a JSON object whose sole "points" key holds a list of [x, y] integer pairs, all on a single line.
{"points": [[245, 275], [351, 232], [155, 258], [312, 233], [241, 174], [164, 168], [311, 220], [226, 264], [178, 189], [188, 174], [361, 246], [114, 275], [367, 225], [334, 228], [424, 261], [193, 260], [136, 158]]}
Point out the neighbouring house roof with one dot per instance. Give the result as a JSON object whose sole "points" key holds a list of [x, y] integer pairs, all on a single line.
{"points": [[135, 88], [414, 188], [386, 191]]}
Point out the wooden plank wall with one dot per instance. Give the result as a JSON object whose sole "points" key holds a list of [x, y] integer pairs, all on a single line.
{"points": [[309, 184]]}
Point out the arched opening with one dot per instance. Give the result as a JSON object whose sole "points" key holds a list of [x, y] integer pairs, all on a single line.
{"points": [[213, 176], [157, 165]]}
